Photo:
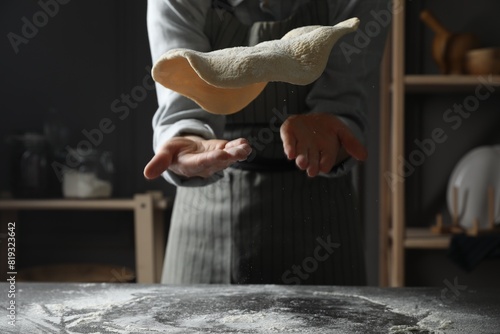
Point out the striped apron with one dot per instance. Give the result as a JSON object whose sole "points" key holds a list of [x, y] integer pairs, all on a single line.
{"points": [[265, 221]]}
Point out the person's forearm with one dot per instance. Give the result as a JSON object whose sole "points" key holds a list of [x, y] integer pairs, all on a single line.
{"points": [[179, 24]]}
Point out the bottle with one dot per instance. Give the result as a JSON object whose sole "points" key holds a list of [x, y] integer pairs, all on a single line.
{"points": [[57, 134], [33, 168]]}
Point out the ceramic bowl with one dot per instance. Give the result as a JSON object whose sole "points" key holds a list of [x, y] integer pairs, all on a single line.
{"points": [[474, 173]]}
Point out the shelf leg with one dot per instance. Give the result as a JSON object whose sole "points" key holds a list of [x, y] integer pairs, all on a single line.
{"points": [[144, 238], [397, 147]]}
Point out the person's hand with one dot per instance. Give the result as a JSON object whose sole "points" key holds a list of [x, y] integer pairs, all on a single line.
{"points": [[191, 156], [318, 141]]}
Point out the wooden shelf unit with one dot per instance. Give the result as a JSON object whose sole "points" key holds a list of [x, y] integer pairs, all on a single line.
{"points": [[395, 85], [148, 224]]}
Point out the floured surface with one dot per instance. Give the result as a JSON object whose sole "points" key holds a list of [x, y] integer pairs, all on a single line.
{"points": [[130, 308]]}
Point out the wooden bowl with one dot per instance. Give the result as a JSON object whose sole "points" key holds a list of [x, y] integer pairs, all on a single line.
{"points": [[483, 61], [449, 49]]}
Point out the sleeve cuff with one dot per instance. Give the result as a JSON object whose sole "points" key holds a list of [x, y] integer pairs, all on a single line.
{"points": [[341, 169], [344, 167]]}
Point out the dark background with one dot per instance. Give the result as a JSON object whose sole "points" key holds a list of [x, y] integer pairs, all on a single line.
{"points": [[91, 52], [83, 59]]}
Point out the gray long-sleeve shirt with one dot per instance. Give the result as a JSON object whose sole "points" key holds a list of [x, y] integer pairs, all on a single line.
{"points": [[341, 90]]}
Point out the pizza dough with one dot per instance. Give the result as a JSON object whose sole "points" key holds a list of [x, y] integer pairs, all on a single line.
{"points": [[225, 81]]}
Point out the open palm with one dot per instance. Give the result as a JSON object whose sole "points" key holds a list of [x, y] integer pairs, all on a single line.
{"points": [[194, 156]]}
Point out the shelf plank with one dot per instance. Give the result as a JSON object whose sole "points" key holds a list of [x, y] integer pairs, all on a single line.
{"points": [[67, 204], [80, 204], [423, 238], [449, 83]]}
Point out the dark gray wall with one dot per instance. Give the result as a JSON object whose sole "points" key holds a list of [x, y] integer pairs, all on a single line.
{"points": [[80, 61]]}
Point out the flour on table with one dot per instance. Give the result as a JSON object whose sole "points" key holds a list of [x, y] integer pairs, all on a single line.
{"points": [[268, 321]]}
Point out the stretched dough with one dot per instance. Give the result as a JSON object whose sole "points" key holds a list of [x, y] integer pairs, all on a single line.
{"points": [[227, 80]]}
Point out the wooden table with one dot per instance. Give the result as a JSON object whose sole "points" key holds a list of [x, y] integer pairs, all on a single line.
{"points": [[148, 225]]}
